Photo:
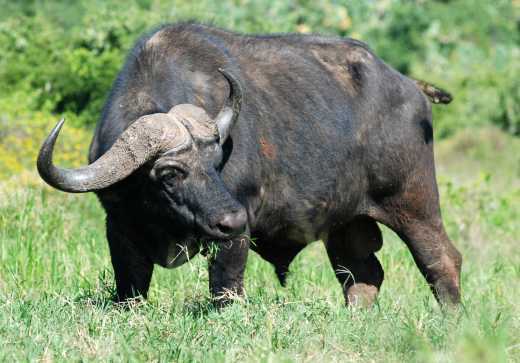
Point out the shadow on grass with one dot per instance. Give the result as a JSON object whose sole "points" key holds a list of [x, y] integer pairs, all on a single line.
{"points": [[102, 294], [201, 307], [107, 300]]}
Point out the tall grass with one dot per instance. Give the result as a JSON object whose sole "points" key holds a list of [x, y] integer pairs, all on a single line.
{"points": [[56, 284]]}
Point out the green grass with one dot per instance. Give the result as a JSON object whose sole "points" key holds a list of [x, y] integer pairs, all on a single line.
{"points": [[56, 282]]}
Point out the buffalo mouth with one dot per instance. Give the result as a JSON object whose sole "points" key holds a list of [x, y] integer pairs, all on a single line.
{"points": [[228, 226]]}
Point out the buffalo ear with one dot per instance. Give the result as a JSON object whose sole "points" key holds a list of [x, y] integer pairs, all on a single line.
{"points": [[229, 113], [225, 121]]}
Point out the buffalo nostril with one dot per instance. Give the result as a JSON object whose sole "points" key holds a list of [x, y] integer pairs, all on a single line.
{"points": [[233, 223]]}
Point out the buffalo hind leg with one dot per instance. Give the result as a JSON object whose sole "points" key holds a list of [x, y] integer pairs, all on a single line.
{"points": [[132, 269], [415, 216], [227, 263], [351, 251], [436, 257]]}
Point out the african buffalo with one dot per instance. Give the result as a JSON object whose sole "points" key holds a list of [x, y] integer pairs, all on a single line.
{"points": [[210, 137]]}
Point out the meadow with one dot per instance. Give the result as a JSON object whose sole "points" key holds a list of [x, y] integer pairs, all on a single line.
{"points": [[56, 281], [56, 285]]}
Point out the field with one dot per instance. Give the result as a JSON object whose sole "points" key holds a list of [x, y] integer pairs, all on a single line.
{"points": [[56, 282]]}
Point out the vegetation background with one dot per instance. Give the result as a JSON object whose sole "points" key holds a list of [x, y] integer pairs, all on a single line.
{"points": [[59, 58]]}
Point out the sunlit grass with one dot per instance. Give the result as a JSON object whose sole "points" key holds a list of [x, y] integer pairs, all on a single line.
{"points": [[56, 284]]}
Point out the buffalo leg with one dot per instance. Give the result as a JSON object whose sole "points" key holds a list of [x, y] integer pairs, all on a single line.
{"points": [[437, 259], [351, 253], [132, 269], [280, 253], [227, 264], [415, 216]]}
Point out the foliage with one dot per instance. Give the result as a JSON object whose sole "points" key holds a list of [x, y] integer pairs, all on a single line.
{"points": [[63, 56], [20, 139]]}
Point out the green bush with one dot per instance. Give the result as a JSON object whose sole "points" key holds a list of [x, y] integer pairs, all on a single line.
{"points": [[64, 56]]}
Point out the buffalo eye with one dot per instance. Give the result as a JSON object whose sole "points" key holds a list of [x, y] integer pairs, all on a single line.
{"points": [[171, 174]]}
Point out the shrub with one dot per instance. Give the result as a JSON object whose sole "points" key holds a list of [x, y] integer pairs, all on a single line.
{"points": [[64, 56]]}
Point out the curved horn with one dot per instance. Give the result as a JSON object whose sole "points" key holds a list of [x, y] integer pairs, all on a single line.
{"points": [[229, 113], [139, 143]]}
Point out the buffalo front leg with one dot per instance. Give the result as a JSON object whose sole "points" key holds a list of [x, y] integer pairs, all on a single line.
{"points": [[227, 262], [132, 269], [351, 253]]}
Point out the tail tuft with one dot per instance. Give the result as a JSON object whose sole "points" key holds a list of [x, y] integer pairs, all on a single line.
{"points": [[435, 94]]}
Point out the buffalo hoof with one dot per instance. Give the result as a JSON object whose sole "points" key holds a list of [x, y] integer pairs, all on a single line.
{"points": [[361, 295], [129, 302], [227, 297]]}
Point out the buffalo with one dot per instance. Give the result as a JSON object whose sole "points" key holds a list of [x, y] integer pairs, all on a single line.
{"points": [[263, 142]]}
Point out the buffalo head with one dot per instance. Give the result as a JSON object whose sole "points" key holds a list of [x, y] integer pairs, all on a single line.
{"points": [[182, 153]]}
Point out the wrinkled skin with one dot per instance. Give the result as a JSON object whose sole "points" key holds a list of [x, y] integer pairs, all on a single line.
{"points": [[329, 141], [182, 177]]}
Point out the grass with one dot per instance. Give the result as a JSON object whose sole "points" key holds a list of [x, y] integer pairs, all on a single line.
{"points": [[56, 283]]}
